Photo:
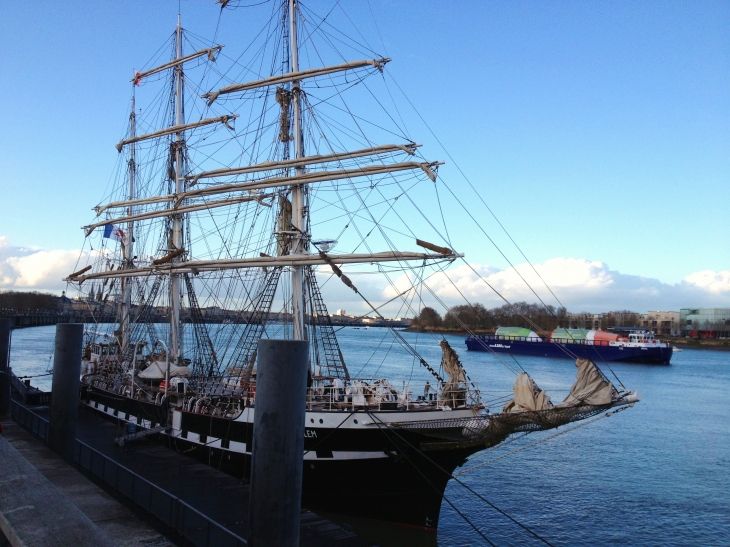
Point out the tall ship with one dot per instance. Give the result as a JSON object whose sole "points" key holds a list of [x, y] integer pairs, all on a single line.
{"points": [[248, 185], [598, 345]]}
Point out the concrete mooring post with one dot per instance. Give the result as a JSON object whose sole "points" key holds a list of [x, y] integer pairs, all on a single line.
{"points": [[65, 388], [6, 326], [278, 443]]}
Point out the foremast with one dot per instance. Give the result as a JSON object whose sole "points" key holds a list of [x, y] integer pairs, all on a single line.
{"points": [[176, 236], [126, 304]]}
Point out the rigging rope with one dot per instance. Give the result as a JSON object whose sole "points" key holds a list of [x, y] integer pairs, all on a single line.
{"points": [[548, 438], [450, 475]]}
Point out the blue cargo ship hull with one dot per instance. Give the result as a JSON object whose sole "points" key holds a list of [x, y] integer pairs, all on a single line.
{"points": [[658, 355]]}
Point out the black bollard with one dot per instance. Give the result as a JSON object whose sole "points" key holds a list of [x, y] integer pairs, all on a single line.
{"points": [[278, 443], [6, 326], [65, 390]]}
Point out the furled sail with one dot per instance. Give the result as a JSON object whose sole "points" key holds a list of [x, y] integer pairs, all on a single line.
{"points": [[157, 369], [284, 222], [210, 51], [307, 178], [178, 129], [180, 210], [451, 393], [590, 388], [306, 160], [295, 77], [528, 396], [195, 266]]}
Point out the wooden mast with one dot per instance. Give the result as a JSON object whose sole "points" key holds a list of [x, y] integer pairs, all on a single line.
{"points": [[176, 236], [299, 242], [128, 245]]}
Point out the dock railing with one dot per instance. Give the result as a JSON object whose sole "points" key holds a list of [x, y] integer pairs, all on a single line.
{"points": [[32, 422], [191, 524], [30, 395]]}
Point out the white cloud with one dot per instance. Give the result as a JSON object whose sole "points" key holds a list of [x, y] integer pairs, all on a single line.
{"points": [[35, 269], [714, 282], [581, 285]]}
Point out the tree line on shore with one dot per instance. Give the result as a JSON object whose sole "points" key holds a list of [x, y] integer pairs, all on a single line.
{"points": [[29, 301], [520, 314], [458, 318]]}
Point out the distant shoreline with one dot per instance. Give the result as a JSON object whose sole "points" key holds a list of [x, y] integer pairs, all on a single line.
{"points": [[695, 343]]}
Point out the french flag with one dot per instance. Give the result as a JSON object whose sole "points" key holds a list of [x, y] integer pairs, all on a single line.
{"points": [[112, 231]]}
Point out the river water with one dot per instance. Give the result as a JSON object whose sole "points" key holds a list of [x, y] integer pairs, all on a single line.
{"points": [[657, 474]]}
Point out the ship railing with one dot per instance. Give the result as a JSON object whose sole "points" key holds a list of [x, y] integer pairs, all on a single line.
{"points": [[195, 527], [582, 342], [372, 396], [508, 338], [492, 337]]}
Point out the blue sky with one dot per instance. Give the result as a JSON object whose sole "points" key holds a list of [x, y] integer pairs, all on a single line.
{"points": [[596, 131]]}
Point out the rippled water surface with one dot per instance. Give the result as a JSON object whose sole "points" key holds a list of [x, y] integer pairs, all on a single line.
{"points": [[657, 474]]}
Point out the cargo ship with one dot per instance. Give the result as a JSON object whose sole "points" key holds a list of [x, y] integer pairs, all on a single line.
{"points": [[598, 345]]}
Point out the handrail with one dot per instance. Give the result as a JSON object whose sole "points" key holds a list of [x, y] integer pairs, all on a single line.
{"points": [[197, 528], [166, 507], [35, 424]]}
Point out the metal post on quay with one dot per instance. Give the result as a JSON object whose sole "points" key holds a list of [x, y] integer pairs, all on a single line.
{"points": [[65, 388], [6, 326], [278, 443]]}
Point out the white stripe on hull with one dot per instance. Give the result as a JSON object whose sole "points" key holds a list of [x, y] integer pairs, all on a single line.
{"points": [[240, 448]]}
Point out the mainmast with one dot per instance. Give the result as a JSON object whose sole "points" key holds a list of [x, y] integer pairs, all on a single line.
{"points": [[176, 235], [127, 283], [299, 240]]}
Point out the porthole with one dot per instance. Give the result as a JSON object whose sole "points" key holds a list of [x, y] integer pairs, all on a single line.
{"points": [[321, 421], [311, 420], [355, 421]]}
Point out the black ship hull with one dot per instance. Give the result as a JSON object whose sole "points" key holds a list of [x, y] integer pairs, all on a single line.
{"points": [[374, 473]]}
